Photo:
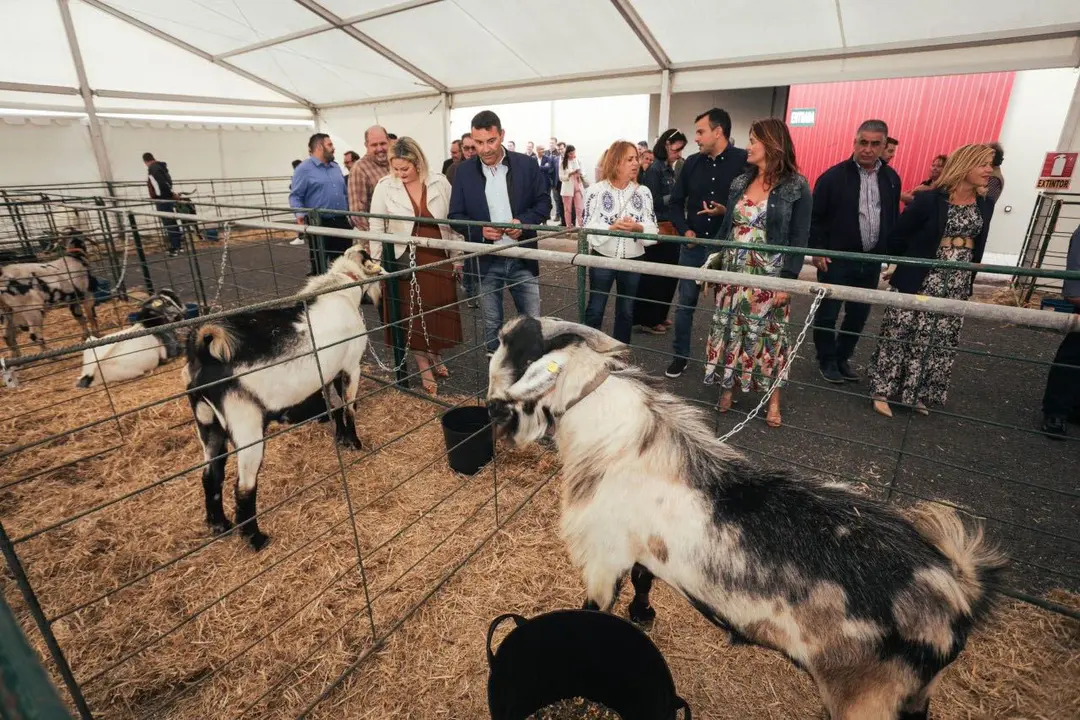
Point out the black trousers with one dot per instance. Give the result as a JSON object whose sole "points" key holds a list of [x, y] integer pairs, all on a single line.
{"points": [[1062, 395], [655, 292], [830, 345], [334, 246]]}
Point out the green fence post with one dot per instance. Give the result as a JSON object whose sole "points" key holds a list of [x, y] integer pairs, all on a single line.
{"points": [[582, 276], [393, 303], [137, 239], [25, 690]]}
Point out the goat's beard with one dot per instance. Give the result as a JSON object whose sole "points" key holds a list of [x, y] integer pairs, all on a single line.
{"points": [[527, 430]]}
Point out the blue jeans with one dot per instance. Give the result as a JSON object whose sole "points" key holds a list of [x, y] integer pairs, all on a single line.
{"points": [[626, 285], [172, 227], [470, 278], [688, 298], [524, 288]]}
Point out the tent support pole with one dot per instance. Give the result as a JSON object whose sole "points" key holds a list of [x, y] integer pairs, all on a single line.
{"points": [[96, 138], [665, 102]]}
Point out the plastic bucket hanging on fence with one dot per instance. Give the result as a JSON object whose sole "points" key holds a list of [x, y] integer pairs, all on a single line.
{"points": [[469, 438], [579, 654]]}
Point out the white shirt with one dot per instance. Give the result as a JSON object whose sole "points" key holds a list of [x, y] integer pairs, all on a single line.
{"points": [[605, 204], [498, 195]]}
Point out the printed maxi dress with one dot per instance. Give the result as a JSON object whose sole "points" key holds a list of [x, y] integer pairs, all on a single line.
{"points": [[915, 353], [748, 337]]}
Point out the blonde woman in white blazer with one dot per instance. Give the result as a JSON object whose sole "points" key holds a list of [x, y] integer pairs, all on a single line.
{"points": [[412, 190]]}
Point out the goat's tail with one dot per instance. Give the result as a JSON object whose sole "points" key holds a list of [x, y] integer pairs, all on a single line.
{"points": [[978, 565], [217, 340]]}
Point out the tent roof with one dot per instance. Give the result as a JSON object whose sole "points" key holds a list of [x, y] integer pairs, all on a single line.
{"points": [[320, 53]]}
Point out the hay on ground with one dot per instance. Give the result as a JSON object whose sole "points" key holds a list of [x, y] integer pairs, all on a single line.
{"points": [[295, 616]]}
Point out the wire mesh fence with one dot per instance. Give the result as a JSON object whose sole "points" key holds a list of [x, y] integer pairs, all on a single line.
{"points": [[142, 611]]}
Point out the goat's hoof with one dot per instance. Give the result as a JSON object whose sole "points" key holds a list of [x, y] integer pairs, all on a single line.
{"points": [[219, 527], [642, 616], [258, 540], [349, 442]]}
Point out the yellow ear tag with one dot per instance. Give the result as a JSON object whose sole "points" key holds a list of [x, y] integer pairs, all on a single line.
{"points": [[553, 367]]}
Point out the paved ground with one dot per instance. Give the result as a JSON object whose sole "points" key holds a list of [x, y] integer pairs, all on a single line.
{"points": [[982, 453]]}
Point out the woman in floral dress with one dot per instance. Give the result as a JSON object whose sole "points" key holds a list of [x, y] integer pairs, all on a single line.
{"points": [[770, 205], [914, 357]]}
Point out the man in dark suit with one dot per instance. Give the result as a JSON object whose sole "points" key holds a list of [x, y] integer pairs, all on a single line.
{"points": [[856, 204], [502, 187]]}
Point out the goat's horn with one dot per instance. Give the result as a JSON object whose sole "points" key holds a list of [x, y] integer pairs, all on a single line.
{"points": [[598, 341]]}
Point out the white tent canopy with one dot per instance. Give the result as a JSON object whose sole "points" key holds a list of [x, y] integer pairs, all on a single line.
{"points": [[350, 62], [331, 53]]}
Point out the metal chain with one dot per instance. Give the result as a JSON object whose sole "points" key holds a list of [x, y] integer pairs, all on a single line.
{"points": [[415, 301], [123, 265], [783, 373], [224, 261]]}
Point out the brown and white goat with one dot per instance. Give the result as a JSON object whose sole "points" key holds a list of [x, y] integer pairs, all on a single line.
{"points": [[871, 600], [29, 290]]}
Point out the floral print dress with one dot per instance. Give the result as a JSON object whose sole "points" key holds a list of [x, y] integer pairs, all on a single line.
{"points": [[915, 353], [748, 338]]}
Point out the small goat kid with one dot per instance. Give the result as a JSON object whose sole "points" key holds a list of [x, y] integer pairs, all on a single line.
{"points": [[237, 383], [873, 602], [29, 290], [136, 356]]}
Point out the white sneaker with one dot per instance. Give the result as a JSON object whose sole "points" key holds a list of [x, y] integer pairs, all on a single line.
{"points": [[297, 241]]}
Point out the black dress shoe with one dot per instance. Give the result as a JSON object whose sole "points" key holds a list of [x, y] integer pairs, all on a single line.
{"points": [[1054, 427], [846, 371], [831, 373]]}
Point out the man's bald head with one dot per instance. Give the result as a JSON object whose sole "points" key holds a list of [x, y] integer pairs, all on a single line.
{"points": [[377, 143]]}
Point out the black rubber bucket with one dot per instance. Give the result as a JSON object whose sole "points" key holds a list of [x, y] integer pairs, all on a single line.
{"points": [[579, 653], [470, 439]]}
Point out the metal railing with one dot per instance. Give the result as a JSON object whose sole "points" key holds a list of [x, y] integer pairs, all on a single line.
{"points": [[1012, 486]]}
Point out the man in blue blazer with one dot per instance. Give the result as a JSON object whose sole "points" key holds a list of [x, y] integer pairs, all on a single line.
{"points": [[502, 187]]}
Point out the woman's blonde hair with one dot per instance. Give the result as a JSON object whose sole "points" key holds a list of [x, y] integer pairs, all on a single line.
{"points": [[405, 148], [614, 155], [960, 162]]}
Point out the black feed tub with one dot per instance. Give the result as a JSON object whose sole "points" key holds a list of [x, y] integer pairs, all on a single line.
{"points": [[470, 440], [579, 653]]}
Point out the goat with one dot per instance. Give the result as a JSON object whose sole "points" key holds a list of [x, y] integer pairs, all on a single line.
{"points": [[872, 601], [29, 290], [240, 408], [133, 357]]}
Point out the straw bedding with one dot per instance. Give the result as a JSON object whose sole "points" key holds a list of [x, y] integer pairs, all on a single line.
{"points": [[302, 621]]}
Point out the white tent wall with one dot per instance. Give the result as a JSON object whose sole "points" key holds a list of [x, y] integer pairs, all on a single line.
{"points": [[421, 119], [204, 150], [589, 124], [40, 150], [744, 106], [1033, 123]]}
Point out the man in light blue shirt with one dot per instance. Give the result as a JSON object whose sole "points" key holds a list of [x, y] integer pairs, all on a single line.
{"points": [[318, 183]]}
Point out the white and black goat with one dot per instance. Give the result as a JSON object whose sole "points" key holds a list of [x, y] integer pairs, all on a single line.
{"points": [[136, 356], [871, 600], [230, 402], [29, 290]]}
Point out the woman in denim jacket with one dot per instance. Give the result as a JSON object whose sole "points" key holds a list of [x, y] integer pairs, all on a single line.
{"points": [[769, 205]]}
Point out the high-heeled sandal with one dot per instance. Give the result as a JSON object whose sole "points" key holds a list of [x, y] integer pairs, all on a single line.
{"points": [[881, 406], [727, 399], [773, 418], [441, 371], [921, 408]]}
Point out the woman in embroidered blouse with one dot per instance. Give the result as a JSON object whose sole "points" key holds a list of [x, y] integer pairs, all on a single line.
{"points": [[573, 185], [915, 352], [618, 203], [770, 204]]}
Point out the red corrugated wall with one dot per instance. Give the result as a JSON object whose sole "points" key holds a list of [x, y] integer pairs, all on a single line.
{"points": [[928, 115]]}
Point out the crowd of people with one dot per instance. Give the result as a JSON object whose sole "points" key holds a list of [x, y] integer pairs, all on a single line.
{"points": [[755, 197]]}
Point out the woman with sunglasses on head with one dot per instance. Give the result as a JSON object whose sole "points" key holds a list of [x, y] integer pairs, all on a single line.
{"points": [[915, 352], [770, 205], [655, 293]]}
